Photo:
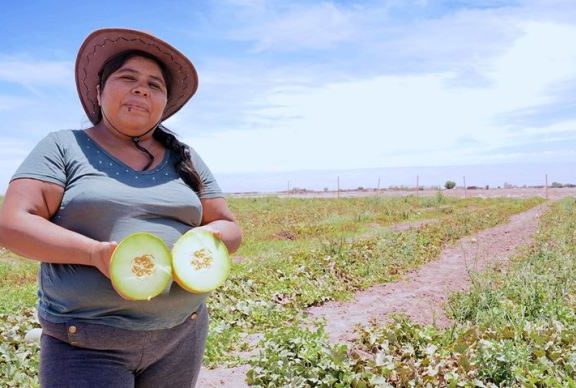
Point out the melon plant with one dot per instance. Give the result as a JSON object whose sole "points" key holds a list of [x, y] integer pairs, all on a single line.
{"points": [[140, 267], [200, 261]]}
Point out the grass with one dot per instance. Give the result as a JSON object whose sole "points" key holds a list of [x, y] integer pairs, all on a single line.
{"points": [[17, 282], [264, 293], [272, 225], [515, 327], [297, 253]]}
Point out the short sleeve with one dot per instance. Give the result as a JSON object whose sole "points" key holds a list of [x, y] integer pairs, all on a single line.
{"points": [[210, 188], [46, 162]]}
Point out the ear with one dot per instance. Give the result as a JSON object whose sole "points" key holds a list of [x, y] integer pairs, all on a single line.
{"points": [[98, 94]]}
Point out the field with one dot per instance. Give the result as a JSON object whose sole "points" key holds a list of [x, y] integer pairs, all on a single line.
{"points": [[278, 320]]}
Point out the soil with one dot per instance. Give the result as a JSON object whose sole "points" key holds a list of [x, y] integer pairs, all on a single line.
{"points": [[423, 292]]}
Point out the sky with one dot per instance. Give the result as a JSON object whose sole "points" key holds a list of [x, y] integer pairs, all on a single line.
{"points": [[319, 85]]}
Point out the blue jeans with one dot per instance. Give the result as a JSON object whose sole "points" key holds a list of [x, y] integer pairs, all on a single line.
{"points": [[78, 354]]}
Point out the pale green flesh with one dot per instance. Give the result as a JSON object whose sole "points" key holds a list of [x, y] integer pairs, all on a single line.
{"points": [[203, 279], [126, 282]]}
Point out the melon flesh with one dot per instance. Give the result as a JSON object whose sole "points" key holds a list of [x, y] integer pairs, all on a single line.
{"points": [[200, 261], [141, 267]]}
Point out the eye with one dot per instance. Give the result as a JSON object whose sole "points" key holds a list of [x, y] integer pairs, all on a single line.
{"points": [[128, 77]]}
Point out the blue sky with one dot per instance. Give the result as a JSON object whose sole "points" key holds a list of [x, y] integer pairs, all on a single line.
{"points": [[307, 85]]}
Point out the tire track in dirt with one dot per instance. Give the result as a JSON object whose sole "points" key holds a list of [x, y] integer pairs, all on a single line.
{"points": [[421, 295]]}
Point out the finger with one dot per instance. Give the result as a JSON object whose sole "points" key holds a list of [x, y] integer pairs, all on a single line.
{"points": [[216, 233]]}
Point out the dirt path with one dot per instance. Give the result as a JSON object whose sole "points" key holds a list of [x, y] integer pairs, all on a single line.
{"points": [[423, 292], [421, 295]]}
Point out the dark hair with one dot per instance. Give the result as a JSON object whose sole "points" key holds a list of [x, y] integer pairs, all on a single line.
{"points": [[167, 138], [183, 162]]}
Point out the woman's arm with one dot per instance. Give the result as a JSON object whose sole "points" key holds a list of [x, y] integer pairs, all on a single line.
{"points": [[26, 230], [217, 218]]}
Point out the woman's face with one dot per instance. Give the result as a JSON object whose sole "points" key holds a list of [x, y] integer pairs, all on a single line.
{"points": [[134, 96]]}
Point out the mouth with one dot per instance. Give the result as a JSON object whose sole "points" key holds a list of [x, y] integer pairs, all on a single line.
{"points": [[136, 107]]}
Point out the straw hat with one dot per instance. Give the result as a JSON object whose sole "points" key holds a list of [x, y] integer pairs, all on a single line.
{"points": [[103, 44]]}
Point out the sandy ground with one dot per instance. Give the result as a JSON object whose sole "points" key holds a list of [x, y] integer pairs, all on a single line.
{"points": [[423, 293]]}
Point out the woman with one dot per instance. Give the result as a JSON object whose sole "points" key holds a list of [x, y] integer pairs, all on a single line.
{"points": [[79, 191]]}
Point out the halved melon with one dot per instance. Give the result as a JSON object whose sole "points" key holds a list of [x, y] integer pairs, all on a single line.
{"points": [[200, 261], [141, 267]]}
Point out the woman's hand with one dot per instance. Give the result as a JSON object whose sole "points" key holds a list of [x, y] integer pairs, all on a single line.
{"points": [[212, 229], [219, 220], [101, 254]]}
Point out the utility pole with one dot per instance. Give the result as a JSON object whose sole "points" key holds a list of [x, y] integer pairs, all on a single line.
{"points": [[546, 186]]}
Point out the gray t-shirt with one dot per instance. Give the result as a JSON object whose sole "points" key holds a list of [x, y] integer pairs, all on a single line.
{"points": [[107, 200]]}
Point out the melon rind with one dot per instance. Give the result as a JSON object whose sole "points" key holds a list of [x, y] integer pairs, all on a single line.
{"points": [[131, 287], [205, 279]]}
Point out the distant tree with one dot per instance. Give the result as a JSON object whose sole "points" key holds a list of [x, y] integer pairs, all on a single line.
{"points": [[450, 185]]}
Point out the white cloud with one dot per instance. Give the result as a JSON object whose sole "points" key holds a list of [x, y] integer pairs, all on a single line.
{"points": [[247, 3], [8, 103], [538, 59], [398, 120], [33, 73], [13, 152], [347, 125], [316, 26]]}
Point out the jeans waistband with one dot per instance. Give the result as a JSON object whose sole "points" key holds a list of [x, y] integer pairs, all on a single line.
{"points": [[73, 330]]}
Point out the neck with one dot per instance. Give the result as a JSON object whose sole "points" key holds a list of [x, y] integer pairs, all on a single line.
{"points": [[112, 135], [135, 138], [116, 140]]}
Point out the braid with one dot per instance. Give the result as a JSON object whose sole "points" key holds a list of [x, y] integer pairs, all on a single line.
{"points": [[183, 162]]}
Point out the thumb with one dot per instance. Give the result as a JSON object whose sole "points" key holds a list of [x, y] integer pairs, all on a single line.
{"points": [[112, 245], [217, 233]]}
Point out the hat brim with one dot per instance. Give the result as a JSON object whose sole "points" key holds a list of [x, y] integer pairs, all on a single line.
{"points": [[103, 44]]}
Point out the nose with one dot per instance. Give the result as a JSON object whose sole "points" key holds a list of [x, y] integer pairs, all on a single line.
{"points": [[141, 90]]}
